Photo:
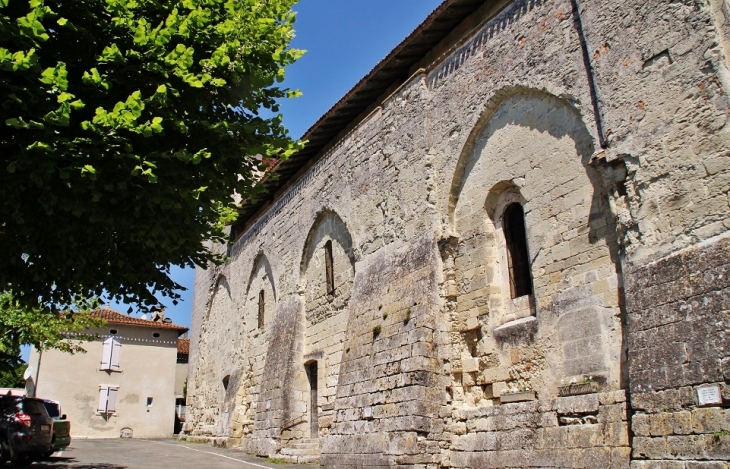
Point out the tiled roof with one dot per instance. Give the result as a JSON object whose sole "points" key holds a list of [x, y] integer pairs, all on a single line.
{"points": [[115, 317], [183, 346]]}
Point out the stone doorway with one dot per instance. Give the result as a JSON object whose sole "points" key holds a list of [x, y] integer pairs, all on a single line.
{"points": [[313, 407]]}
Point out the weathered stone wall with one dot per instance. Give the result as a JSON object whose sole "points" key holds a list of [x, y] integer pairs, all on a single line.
{"points": [[619, 159], [679, 341], [385, 405], [661, 74], [588, 431]]}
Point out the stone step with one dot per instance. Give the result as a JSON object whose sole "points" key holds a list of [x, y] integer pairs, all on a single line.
{"points": [[314, 441], [307, 459], [313, 445], [298, 459], [308, 451]]}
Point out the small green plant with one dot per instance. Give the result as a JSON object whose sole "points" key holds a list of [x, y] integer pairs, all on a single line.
{"points": [[380, 307], [407, 319], [721, 432], [376, 331], [385, 315], [276, 461], [347, 350]]}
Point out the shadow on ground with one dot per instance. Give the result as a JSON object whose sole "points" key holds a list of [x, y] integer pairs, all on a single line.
{"points": [[68, 463]]}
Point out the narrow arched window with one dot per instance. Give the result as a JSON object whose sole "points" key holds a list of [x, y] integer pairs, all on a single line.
{"points": [[329, 268], [515, 234], [261, 309]]}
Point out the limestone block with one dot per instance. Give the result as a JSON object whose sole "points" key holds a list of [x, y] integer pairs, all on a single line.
{"points": [[468, 379], [469, 364], [584, 404], [709, 420], [640, 424], [499, 388], [472, 322], [457, 428]]}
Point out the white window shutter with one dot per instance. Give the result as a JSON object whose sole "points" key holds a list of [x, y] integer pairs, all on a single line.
{"points": [[111, 401], [106, 354], [103, 394], [116, 350]]}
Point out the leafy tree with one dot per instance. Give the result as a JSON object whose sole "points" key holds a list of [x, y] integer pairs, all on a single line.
{"points": [[20, 325], [11, 372], [125, 128]]}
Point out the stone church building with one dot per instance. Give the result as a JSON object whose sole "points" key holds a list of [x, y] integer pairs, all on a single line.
{"points": [[507, 246]]}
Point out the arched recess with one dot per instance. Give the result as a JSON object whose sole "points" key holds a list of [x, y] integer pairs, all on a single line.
{"points": [[531, 148], [217, 360], [257, 325], [260, 314], [327, 276]]}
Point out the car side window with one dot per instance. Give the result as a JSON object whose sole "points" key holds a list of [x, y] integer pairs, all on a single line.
{"points": [[34, 407]]}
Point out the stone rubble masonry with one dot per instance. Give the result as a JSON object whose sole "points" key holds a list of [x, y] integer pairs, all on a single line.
{"points": [[421, 351]]}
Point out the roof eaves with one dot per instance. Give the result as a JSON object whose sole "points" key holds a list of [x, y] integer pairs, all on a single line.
{"points": [[390, 72]]}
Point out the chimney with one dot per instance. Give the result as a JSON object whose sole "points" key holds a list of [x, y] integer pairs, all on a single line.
{"points": [[158, 313]]}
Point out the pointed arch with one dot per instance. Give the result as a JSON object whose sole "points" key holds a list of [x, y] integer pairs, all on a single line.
{"points": [[563, 108], [327, 277], [327, 224], [261, 262], [261, 295], [220, 282], [523, 192]]}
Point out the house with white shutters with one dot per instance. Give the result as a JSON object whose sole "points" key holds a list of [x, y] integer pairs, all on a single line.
{"points": [[124, 385]]}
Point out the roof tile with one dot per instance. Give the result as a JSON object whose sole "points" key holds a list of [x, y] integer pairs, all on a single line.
{"points": [[115, 317]]}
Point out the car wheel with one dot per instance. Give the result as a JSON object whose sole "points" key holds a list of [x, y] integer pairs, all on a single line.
{"points": [[21, 461], [48, 453]]}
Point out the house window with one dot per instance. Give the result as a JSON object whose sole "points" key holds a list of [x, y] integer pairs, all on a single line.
{"points": [[518, 261], [261, 309], [149, 402], [110, 354], [329, 268], [107, 399], [156, 335]]}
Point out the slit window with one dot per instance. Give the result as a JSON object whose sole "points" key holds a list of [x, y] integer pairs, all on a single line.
{"points": [[226, 380], [329, 268], [261, 309], [518, 261]]}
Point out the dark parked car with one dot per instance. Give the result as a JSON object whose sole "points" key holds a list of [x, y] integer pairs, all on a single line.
{"points": [[25, 430], [61, 427]]}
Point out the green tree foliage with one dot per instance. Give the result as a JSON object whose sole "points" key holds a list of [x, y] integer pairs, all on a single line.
{"points": [[11, 372], [20, 325], [125, 128]]}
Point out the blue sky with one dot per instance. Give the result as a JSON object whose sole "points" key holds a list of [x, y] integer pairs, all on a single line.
{"points": [[344, 40]]}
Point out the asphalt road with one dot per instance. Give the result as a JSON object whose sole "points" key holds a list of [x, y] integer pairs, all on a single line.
{"points": [[144, 454]]}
